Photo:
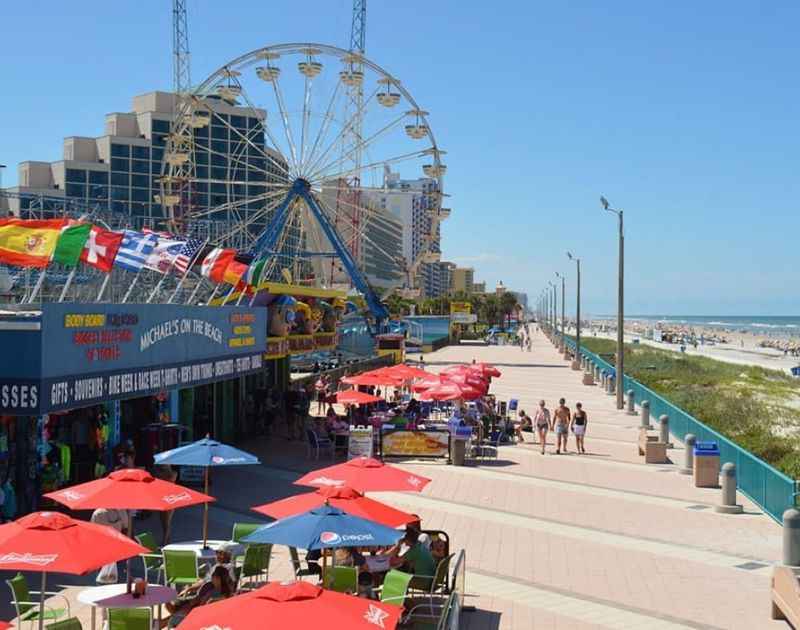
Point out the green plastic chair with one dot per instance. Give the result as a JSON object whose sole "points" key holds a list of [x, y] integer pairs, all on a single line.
{"points": [[180, 568], [240, 530], [395, 587], [28, 609], [73, 623], [341, 579], [153, 561], [129, 619], [255, 565]]}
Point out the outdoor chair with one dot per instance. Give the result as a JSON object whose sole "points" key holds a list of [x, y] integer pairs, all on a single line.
{"points": [[255, 566], [341, 579], [491, 443], [317, 444], [73, 623], [395, 587], [180, 568], [240, 530], [27, 609], [153, 561], [299, 571], [436, 617], [129, 619], [432, 585]]}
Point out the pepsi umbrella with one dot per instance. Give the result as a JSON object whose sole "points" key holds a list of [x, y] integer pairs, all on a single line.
{"points": [[205, 453], [325, 527]]}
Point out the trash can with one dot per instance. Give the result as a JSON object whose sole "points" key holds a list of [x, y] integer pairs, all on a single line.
{"points": [[706, 465], [458, 449]]}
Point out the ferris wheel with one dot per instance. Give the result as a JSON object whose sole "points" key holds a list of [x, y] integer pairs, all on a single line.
{"points": [[286, 135]]}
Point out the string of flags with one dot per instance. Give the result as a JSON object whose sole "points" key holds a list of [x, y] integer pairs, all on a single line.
{"points": [[37, 243]]}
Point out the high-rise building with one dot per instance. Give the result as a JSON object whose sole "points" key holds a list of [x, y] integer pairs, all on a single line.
{"points": [[479, 287], [462, 280]]}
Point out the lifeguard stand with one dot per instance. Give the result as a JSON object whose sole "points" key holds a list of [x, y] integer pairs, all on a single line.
{"points": [[393, 344]]}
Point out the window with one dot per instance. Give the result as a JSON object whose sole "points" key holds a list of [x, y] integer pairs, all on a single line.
{"points": [[160, 126], [220, 146], [140, 181], [239, 121], [201, 172], [139, 166], [219, 160], [155, 168], [97, 191], [139, 209], [119, 194], [120, 164], [219, 189], [258, 163], [201, 157], [219, 132], [76, 175], [120, 179], [119, 206], [120, 150], [158, 155], [156, 210], [141, 153], [98, 177], [258, 139], [138, 194], [201, 140], [159, 140], [219, 173], [76, 190]]}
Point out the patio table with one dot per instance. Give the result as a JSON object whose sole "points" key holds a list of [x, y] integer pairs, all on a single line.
{"points": [[206, 554], [116, 596]]}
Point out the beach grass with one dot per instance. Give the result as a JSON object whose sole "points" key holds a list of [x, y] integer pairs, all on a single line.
{"points": [[755, 407]]}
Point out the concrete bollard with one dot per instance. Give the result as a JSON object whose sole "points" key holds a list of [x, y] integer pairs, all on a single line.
{"points": [[645, 424], [728, 482], [631, 403], [587, 374], [791, 538], [603, 377], [663, 426], [688, 456], [598, 375]]}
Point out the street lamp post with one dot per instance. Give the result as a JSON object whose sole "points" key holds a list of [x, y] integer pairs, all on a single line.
{"points": [[577, 363], [555, 308], [620, 304], [563, 312]]}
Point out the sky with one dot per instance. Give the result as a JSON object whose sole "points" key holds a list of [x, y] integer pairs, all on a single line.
{"points": [[682, 113]]}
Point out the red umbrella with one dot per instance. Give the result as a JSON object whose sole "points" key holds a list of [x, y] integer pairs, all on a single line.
{"points": [[51, 542], [365, 474], [298, 605], [426, 383], [451, 391], [487, 369], [467, 378], [353, 397], [346, 499], [406, 372], [372, 379]]}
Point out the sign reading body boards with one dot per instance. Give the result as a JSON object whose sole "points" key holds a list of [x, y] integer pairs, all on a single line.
{"points": [[76, 355], [360, 442], [401, 443]]}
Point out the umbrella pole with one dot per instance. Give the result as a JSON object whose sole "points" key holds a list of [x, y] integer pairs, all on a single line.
{"points": [[205, 515], [128, 576], [41, 600]]}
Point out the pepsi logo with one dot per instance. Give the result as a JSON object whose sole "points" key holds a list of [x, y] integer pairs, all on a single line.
{"points": [[329, 538], [217, 460]]}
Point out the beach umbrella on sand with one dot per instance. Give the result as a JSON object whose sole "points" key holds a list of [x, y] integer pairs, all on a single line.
{"points": [[353, 397], [297, 605], [365, 474], [128, 489], [207, 453], [51, 542], [344, 498]]}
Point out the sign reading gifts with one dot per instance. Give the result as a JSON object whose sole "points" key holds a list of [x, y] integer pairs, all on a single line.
{"points": [[75, 355]]}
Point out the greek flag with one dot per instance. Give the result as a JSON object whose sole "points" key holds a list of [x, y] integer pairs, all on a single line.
{"points": [[134, 250]]}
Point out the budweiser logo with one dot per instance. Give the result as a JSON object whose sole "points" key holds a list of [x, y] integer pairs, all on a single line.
{"points": [[171, 499], [71, 495], [37, 560], [375, 616], [325, 481]]}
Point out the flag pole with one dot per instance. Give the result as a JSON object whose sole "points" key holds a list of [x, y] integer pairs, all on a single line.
{"points": [[177, 287], [130, 288], [196, 289], [192, 261], [67, 283], [103, 287], [213, 294], [38, 286]]}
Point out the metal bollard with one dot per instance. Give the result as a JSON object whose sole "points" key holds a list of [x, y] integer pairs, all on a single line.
{"points": [[688, 456], [791, 538], [611, 389], [728, 479], [603, 377], [663, 426], [631, 405], [645, 424]]}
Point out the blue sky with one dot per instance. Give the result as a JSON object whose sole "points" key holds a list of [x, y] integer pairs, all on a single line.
{"points": [[682, 113]]}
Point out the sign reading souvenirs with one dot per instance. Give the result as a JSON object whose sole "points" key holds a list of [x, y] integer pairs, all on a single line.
{"points": [[76, 355]]}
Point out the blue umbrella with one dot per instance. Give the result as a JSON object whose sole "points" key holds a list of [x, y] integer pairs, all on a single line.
{"points": [[325, 527], [205, 453]]}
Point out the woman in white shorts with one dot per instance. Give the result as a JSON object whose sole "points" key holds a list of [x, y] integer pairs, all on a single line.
{"points": [[541, 421], [579, 422]]}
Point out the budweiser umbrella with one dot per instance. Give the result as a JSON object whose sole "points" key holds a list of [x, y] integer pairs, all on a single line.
{"points": [[373, 379], [353, 397], [365, 474], [487, 369], [51, 542], [345, 498], [403, 371], [469, 379], [297, 605], [450, 391], [426, 383]]}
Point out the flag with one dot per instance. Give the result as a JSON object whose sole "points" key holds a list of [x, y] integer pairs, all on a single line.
{"points": [[164, 254], [234, 272], [254, 272], [101, 248], [70, 243], [189, 251], [214, 264], [28, 243], [134, 250]]}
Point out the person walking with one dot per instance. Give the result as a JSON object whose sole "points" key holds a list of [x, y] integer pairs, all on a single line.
{"points": [[541, 420], [561, 423], [579, 422]]}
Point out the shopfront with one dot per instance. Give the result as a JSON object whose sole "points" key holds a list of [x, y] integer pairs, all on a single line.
{"points": [[78, 380]]}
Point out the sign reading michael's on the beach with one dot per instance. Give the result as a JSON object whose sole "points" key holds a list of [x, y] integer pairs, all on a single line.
{"points": [[75, 355]]}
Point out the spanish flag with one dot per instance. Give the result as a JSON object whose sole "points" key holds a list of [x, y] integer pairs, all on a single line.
{"points": [[29, 243]]}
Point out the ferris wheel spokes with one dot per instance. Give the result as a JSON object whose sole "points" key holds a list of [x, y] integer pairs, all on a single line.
{"points": [[322, 132]]}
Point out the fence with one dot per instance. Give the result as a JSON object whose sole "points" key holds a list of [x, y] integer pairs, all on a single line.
{"points": [[773, 491]]}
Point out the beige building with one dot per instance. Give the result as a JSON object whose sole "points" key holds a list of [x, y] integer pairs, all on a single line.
{"points": [[462, 280], [479, 287]]}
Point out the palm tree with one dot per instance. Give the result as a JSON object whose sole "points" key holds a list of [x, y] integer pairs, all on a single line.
{"points": [[508, 304]]}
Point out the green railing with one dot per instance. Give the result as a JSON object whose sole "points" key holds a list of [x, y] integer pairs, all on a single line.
{"points": [[773, 491]]}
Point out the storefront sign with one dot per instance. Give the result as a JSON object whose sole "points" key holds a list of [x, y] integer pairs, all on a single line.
{"points": [[360, 442], [277, 347], [300, 344], [84, 354], [401, 443]]}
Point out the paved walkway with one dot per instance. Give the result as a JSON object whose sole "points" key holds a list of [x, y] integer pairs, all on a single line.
{"points": [[555, 541]]}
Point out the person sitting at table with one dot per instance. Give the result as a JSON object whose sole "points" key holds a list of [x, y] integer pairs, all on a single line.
{"points": [[417, 560], [438, 549], [349, 557], [199, 593]]}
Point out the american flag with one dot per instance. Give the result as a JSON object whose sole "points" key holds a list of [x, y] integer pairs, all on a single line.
{"points": [[188, 252]]}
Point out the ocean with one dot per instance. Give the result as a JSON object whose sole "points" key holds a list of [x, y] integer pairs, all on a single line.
{"points": [[774, 325]]}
